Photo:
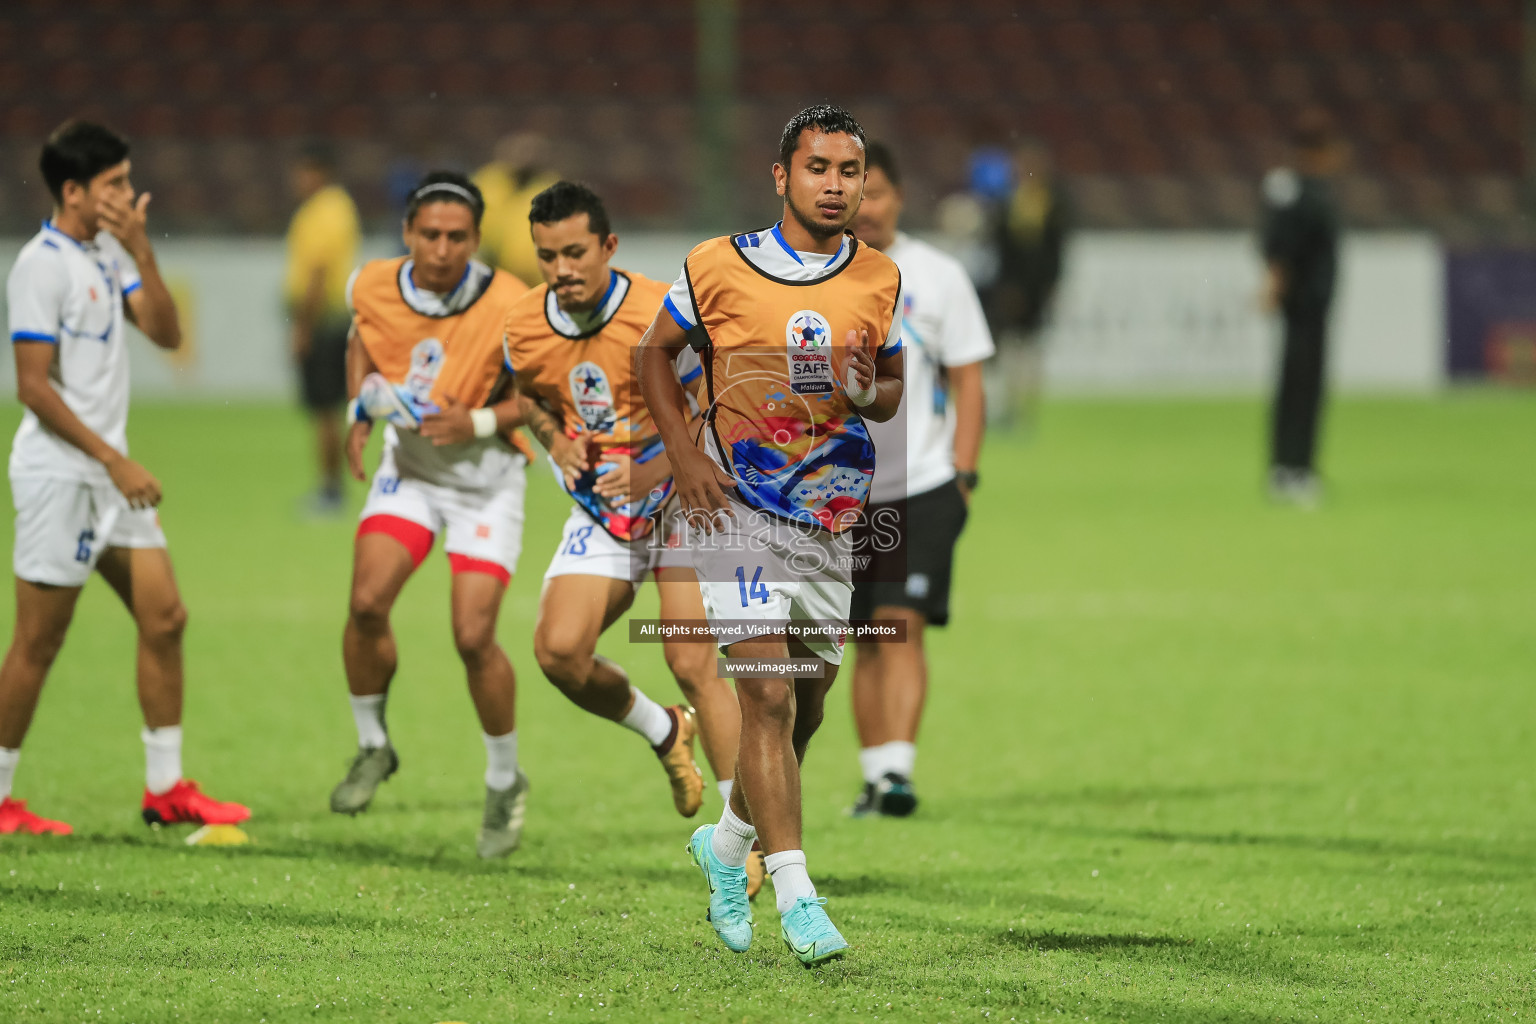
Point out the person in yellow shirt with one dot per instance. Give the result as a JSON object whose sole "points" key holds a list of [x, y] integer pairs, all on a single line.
{"points": [[516, 174], [322, 251]]}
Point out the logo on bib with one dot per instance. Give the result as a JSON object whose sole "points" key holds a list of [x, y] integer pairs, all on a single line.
{"points": [[593, 397], [426, 364], [809, 341]]}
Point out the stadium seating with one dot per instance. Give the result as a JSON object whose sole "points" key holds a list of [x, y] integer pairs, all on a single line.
{"points": [[1165, 113]]}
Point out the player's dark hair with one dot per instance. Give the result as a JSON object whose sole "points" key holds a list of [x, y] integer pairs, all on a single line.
{"points": [[445, 187], [878, 157], [824, 118], [566, 199], [78, 151]]}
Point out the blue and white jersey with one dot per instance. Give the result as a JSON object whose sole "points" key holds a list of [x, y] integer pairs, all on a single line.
{"points": [[943, 326], [69, 294]]}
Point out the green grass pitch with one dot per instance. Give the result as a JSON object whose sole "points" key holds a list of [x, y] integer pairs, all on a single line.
{"points": [[1188, 757]]}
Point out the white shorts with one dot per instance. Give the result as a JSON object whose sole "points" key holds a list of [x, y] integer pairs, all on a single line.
{"points": [[482, 530], [63, 526], [760, 569], [586, 549]]}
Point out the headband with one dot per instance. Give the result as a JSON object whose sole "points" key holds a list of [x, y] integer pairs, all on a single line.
{"points": [[446, 186]]}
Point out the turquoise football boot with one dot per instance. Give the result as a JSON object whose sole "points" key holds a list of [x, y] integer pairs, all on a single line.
{"points": [[809, 934], [729, 911]]}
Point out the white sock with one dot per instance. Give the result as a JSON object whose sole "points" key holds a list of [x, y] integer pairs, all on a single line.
{"points": [[649, 719], [872, 763], [733, 839], [901, 756], [500, 760], [8, 759], [790, 881], [896, 756], [162, 758], [725, 786], [368, 713]]}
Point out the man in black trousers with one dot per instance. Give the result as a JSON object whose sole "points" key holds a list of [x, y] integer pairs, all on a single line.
{"points": [[1301, 242]]}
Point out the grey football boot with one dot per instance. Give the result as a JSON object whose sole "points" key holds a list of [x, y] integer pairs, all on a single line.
{"points": [[501, 828], [371, 766]]}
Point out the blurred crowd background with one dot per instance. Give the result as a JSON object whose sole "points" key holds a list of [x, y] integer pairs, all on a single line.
{"points": [[1160, 113]]}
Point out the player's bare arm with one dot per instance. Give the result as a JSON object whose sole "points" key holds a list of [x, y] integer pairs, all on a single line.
{"points": [[696, 475], [150, 308], [457, 423], [359, 365], [33, 389], [883, 373], [569, 453], [970, 418]]}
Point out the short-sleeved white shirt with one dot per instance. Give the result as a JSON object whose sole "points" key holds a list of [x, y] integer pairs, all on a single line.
{"points": [[943, 326], [69, 294]]}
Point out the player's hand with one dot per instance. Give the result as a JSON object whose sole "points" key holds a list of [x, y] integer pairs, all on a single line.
{"points": [[450, 425], [135, 482], [701, 488], [570, 454], [127, 223], [859, 358], [357, 440], [621, 479]]}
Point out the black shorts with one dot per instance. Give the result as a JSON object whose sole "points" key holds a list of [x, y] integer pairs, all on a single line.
{"points": [[323, 371], [915, 573]]}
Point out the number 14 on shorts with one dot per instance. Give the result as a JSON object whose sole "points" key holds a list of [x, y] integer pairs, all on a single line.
{"points": [[756, 590]]}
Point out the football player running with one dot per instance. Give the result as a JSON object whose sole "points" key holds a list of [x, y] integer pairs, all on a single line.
{"points": [[570, 344], [798, 329], [425, 358]]}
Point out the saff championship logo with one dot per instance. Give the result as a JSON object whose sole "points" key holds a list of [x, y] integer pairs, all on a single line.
{"points": [[809, 340], [593, 396], [807, 329]]}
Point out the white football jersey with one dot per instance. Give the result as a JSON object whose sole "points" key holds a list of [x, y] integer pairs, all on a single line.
{"points": [[943, 326], [70, 294]]}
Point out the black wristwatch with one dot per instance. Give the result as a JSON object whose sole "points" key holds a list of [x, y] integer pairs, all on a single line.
{"points": [[967, 478]]}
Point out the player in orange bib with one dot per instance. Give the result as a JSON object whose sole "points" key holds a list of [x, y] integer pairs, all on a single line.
{"points": [[570, 344], [425, 356], [798, 328]]}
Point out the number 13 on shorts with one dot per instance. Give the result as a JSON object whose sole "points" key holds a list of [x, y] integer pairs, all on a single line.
{"points": [[756, 590]]}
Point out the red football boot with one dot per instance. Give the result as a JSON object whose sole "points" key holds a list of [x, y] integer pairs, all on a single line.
{"points": [[184, 803], [14, 817]]}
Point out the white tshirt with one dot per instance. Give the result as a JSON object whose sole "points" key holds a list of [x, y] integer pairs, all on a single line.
{"points": [[943, 326], [69, 294]]}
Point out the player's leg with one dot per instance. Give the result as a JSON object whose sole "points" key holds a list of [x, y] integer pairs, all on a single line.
{"points": [[574, 610], [694, 666], [324, 387], [590, 583], [144, 579], [477, 594], [43, 614], [712, 697], [61, 529], [388, 548], [890, 686], [910, 585]]}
